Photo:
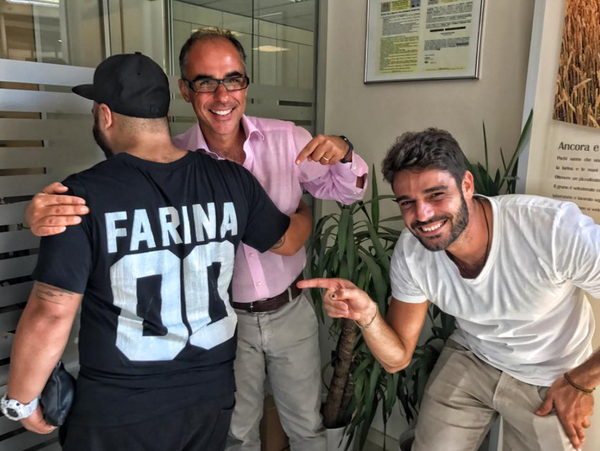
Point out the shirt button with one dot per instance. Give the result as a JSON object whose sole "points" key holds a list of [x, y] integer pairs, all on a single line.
{"points": [[354, 168], [251, 255], [259, 283]]}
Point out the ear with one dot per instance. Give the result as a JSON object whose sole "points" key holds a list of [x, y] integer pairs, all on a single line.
{"points": [[468, 185], [184, 90], [105, 117]]}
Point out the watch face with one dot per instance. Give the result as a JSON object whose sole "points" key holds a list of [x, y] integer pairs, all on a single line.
{"points": [[11, 413]]}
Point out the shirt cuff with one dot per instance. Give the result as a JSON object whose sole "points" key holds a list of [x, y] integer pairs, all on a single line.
{"points": [[349, 172]]}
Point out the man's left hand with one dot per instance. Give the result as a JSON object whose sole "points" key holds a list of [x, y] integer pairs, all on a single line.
{"points": [[324, 149], [36, 423], [573, 408]]}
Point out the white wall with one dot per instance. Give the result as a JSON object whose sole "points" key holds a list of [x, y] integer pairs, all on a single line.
{"points": [[373, 115], [547, 133]]}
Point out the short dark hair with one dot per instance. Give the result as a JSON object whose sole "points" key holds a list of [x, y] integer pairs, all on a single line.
{"points": [[205, 34], [420, 151]]}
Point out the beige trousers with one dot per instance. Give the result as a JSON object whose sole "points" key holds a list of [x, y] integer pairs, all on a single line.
{"points": [[282, 345], [465, 395]]}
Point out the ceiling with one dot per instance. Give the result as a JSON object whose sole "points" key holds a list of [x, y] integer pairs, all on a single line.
{"points": [[294, 13]]}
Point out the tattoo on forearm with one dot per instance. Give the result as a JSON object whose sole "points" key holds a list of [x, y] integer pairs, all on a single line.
{"points": [[279, 243], [48, 293]]}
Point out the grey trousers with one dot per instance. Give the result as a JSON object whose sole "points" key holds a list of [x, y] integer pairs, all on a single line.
{"points": [[465, 395], [282, 345]]}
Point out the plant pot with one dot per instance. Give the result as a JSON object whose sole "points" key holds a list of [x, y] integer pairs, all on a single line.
{"points": [[337, 441], [406, 440]]}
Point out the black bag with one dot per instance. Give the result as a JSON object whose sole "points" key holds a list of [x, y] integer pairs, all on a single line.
{"points": [[57, 396]]}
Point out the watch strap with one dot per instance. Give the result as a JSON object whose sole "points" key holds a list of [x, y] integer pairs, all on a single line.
{"points": [[350, 149], [15, 410]]}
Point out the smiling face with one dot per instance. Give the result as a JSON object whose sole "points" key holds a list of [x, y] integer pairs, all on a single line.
{"points": [[219, 112], [434, 208]]}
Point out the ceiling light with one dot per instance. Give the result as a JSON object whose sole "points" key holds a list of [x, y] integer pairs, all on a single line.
{"points": [[270, 48], [53, 3]]}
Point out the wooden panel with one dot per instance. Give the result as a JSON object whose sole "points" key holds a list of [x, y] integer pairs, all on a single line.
{"points": [[15, 294], [16, 241], [11, 213], [17, 267]]}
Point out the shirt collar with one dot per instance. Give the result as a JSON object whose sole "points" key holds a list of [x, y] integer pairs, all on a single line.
{"points": [[249, 129]]}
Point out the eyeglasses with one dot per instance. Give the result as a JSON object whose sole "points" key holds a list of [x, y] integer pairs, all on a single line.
{"points": [[212, 84]]}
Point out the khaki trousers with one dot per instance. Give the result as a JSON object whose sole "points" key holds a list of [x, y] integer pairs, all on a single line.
{"points": [[465, 395], [282, 345]]}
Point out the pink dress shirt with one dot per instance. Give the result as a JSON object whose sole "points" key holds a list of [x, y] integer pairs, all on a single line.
{"points": [[271, 149]]}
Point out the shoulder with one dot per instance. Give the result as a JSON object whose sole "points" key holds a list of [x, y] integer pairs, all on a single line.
{"points": [[265, 125], [523, 207], [226, 169], [184, 139], [98, 173]]}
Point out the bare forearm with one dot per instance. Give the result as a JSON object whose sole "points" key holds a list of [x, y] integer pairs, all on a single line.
{"points": [[587, 374], [297, 233], [386, 345], [41, 338]]}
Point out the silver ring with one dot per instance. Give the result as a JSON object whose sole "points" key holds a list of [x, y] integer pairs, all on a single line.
{"points": [[325, 158]]}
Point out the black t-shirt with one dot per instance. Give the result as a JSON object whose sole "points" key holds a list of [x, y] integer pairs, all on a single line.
{"points": [[154, 259]]}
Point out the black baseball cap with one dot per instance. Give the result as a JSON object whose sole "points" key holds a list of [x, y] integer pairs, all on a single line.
{"points": [[130, 84]]}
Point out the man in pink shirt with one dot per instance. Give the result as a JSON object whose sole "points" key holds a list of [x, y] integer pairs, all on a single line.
{"points": [[277, 327]]}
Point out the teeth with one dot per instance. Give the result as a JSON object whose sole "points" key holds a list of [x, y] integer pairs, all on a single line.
{"points": [[431, 229], [222, 112]]}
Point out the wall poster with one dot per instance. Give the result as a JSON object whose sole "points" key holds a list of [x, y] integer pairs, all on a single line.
{"points": [[578, 83], [423, 39], [564, 155]]}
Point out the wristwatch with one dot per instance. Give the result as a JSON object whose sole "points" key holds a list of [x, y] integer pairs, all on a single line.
{"points": [[15, 410], [350, 149]]}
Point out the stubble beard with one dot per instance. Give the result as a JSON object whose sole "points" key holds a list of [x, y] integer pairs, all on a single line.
{"points": [[459, 222]]}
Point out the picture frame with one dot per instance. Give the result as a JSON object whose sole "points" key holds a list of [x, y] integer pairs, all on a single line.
{"points": [[409, 40]]}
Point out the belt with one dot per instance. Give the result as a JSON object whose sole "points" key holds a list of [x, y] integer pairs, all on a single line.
{"points": [[270, 304]]}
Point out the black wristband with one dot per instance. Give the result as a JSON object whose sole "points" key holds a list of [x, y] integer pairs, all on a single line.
{"points": [[350, 148]]}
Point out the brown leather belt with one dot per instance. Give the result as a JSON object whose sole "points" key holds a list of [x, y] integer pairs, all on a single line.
{"points": [[270, 304]]}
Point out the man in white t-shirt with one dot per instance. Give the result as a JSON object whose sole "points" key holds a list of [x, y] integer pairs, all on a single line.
{"points": [[513, 271]]}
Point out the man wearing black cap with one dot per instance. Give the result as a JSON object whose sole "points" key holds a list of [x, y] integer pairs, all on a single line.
{"points": [[153, 263]]}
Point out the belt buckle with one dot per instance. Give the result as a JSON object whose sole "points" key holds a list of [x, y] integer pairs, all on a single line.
{"points": [[251, 307]]}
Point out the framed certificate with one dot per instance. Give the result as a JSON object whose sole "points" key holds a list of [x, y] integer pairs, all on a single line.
{"points": [[423, 39]]}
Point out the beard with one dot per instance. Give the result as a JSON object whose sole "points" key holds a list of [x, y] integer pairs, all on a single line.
{"points": [[101, 139], [458, 223]]}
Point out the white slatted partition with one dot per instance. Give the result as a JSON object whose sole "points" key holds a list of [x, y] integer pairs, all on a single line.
{"points": [[45, 135]]}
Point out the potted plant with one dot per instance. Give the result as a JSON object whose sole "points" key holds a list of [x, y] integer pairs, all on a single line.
{"points": [[357, 245]]}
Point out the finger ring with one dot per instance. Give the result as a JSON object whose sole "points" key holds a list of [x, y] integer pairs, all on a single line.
{"points": [[325, 158]]}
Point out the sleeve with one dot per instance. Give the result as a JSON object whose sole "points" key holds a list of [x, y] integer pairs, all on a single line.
{"points": [[65, 260], [337, 182], [404, 287], [576, 248], [266, 223]]}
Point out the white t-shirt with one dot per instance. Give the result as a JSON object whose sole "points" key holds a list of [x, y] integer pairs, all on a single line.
{"points": [[525, 313]]}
